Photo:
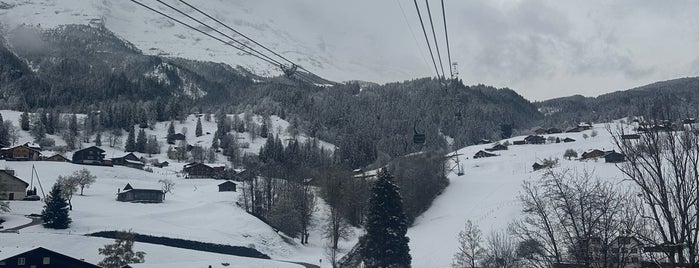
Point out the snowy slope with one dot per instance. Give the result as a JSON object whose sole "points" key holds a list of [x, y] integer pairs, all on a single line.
{"points": [[487, 193], [194, 211]]}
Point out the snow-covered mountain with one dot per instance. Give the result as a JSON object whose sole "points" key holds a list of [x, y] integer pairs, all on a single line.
{"points": [[298, 30]]}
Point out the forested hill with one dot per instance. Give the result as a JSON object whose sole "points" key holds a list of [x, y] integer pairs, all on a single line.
{"points": [[78, 68], [679, 97]]}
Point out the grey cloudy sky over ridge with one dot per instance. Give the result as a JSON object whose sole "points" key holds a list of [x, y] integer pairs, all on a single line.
{"points": [[540, 48]]}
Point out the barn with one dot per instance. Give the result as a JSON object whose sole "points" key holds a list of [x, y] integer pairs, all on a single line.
{"points": [[13, 188]]}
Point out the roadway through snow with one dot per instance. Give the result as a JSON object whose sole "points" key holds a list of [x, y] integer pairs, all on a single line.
{"points": [[35, 221]]}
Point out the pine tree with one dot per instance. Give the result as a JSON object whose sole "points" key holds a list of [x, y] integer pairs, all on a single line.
{"points": [[24, 121], [131, 141], [141, 141], [98, 139], [4, 134], [171, 134], [386, 244], [198, 131], [55, 213], [121, 253]]}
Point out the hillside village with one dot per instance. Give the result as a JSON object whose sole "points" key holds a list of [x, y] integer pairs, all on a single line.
{"points": [[202, 203]]}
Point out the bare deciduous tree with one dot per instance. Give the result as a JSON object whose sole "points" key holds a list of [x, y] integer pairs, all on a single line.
{"points": [[664, 166], [470, 250]]}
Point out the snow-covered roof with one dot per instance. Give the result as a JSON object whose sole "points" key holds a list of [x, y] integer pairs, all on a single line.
{"points": [[7, 252], [134, 162]]}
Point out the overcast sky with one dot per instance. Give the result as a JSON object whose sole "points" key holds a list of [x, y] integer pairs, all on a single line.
{"points": [[540, 48]]}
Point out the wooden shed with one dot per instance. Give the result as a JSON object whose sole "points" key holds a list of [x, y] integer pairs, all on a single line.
{"points": [[227, 186]]}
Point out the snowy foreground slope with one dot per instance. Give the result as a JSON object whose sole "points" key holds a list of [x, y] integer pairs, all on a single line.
{"points": [[487, 193], [194, 211]]}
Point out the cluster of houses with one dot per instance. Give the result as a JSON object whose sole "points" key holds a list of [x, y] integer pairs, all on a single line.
{"points": [[15, 188]]}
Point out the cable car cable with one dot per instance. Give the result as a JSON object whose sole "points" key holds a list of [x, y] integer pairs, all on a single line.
{"points": [[243, 35], [427, 39], [202, 32], [219, 32], [434, 36], [446, 36]]}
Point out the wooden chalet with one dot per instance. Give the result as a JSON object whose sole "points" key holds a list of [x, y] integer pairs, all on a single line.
{"points": [[614, 157], [535, 139], [553, 130], [594, 153], [568, 140], [57, 158], [481, 154], [21, 153], [13, 188], [519, 142], [130, 194], [162, 164], [39, 257], [575, 129], [201, 170], [227, 186], [129, 160], [179, 137], [90, 156], [497, 147], [485, 141], [537, 166]]}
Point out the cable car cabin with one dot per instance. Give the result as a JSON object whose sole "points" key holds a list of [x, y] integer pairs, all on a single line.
{"points": [[418, 138]]}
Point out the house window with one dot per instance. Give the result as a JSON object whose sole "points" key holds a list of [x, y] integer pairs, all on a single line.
{"points": [[21, 261], [47, 260]]}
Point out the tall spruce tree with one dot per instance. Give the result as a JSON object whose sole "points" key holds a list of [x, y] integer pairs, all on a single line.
{"points": [[198, 131], [55, 213], [141, 141], [24, 121], [385, 242], [171, 133], [131, 141]]}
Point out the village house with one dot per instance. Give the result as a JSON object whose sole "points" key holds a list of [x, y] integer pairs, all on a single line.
{"points": [[594, 153], [57, 158], [497, 147], [553, 130], [129, 160], [537, 166], [201, 170], [227, 186], [39, 257], [519, 142], [130, 194], [22, 153], [90, 156], [567, 139], [161, 164], [13, 188], [481, 154], [627, 251], [535, 139], [614, 157]]}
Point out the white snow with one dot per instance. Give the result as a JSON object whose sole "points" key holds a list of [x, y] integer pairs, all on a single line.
{"points": [[195, 210], [487, 193]]}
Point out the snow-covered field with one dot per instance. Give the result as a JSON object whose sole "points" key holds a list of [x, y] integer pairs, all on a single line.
{"points": [[195, 210], [487, 193]]}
